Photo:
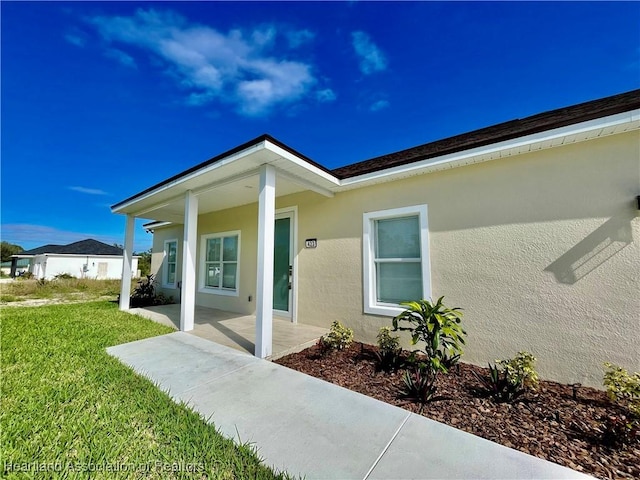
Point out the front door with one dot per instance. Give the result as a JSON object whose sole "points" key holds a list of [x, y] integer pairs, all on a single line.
{"points": [[283, 265]]}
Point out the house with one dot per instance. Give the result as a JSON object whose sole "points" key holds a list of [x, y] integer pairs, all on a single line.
{"points": [[531, 226], [84, 259]]}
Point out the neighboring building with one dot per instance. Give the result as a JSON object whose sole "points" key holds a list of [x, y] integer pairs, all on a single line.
{"points": [[531, 226], [84, 259]]}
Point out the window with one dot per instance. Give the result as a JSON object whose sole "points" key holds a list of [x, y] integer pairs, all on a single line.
{"points": [[220, 258], [395, 259], [170, 263]]}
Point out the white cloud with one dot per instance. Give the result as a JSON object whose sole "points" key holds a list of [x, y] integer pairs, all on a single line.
{"points": [[326, 95], [299, 37], [236, 67], [122, 57], [89, 191], [372, 59], [379, 105], [74, 39]]}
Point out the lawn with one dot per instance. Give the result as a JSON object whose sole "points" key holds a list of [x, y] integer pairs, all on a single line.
{"points": [[72, 411]]}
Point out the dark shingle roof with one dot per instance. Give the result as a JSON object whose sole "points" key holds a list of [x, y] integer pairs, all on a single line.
{"points": [[561, 117], [83, 247]]}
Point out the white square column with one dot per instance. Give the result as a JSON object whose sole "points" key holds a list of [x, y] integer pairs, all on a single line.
{"points": [[127, 261], [188, 293], [264, 283]]}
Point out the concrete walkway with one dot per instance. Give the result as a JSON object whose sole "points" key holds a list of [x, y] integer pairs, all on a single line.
{"points": [[316, 429]]}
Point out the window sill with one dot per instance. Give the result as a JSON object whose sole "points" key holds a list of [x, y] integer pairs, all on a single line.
{"points": [[383, 310], [219, 291]]}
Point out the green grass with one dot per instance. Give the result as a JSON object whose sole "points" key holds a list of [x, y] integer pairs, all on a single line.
{"points": [[68, 289], [65, 403]]}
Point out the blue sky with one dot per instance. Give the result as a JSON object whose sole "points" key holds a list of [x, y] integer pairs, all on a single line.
{"points": [[102, 100]]}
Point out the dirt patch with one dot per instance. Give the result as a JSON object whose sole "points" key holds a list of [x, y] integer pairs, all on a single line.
{"points": [[69, 298], [553, 423]]}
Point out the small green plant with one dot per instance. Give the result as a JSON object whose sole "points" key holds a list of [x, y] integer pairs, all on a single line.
{"points": [[623, 389], [389, 350], [438, 328], [338, 338], [510, 378], [420, 383], [440, 331]]}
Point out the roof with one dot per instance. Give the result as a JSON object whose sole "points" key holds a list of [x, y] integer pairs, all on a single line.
{"points": [[561, 117], [83, 247], [222, 156], [238, 167]]}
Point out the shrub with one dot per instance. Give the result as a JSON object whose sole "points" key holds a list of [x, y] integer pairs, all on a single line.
{"points": [[624, 389], [144, 295], [338, 338], [389, 350], [438, 328], [510, 378], [420, 383]]}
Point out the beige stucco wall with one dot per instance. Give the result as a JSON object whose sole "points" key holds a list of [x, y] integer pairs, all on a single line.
{"points": [[542, 251]]}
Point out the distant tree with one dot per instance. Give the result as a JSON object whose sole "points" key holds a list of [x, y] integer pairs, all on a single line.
{"points": [[118, 245], [7, 249], [144, 262]]}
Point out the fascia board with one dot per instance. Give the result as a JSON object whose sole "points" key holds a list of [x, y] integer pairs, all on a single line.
{"points": [[462, 158]]}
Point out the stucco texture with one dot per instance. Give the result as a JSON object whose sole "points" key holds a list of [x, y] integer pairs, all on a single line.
{"points": [[540, 250]]}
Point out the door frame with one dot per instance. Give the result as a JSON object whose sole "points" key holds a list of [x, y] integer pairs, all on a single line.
{"points": [[292, 213]]}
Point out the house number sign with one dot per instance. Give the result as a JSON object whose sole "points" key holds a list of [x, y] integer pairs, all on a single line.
{"points": [[311, 243]]}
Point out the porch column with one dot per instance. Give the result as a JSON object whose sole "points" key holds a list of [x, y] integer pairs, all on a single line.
{"points": [[188, 293], [14, 266], [127, 260], [264, 283]]}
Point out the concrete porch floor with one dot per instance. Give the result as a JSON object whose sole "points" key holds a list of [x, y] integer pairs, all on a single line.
{"points": [[236, 330]]}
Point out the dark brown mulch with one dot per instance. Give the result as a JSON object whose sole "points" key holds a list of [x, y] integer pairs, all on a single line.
{"points": [[550, 423]]}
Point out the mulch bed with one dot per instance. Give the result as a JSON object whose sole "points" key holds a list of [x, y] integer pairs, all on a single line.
{"points": [[550, 423]]}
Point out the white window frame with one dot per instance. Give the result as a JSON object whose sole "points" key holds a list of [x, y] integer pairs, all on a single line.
{"points": [[165, 264], [203, 271], [371, 305]]}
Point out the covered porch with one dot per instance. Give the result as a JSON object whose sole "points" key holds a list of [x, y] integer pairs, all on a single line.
{"points": [[236, 330], [255, 173]]}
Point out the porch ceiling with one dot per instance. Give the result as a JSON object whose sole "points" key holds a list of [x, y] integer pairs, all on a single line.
{"points": [[229, 182]]}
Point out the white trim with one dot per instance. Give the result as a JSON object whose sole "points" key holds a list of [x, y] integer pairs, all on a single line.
{"points": [[165, 265], [208, 168], [127, 262], [285, 154], [202, 288], [306, 183], [534, 142], [371, 305], [264, 277], [189, 248], [292, 213], [574, 133]]}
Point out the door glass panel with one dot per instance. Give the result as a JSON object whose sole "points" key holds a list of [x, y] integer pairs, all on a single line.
{"points": [[281, 256]]}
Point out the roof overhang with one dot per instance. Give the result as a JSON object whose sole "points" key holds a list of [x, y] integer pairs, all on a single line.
{"points": [[579, 132], [230, 180]]}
